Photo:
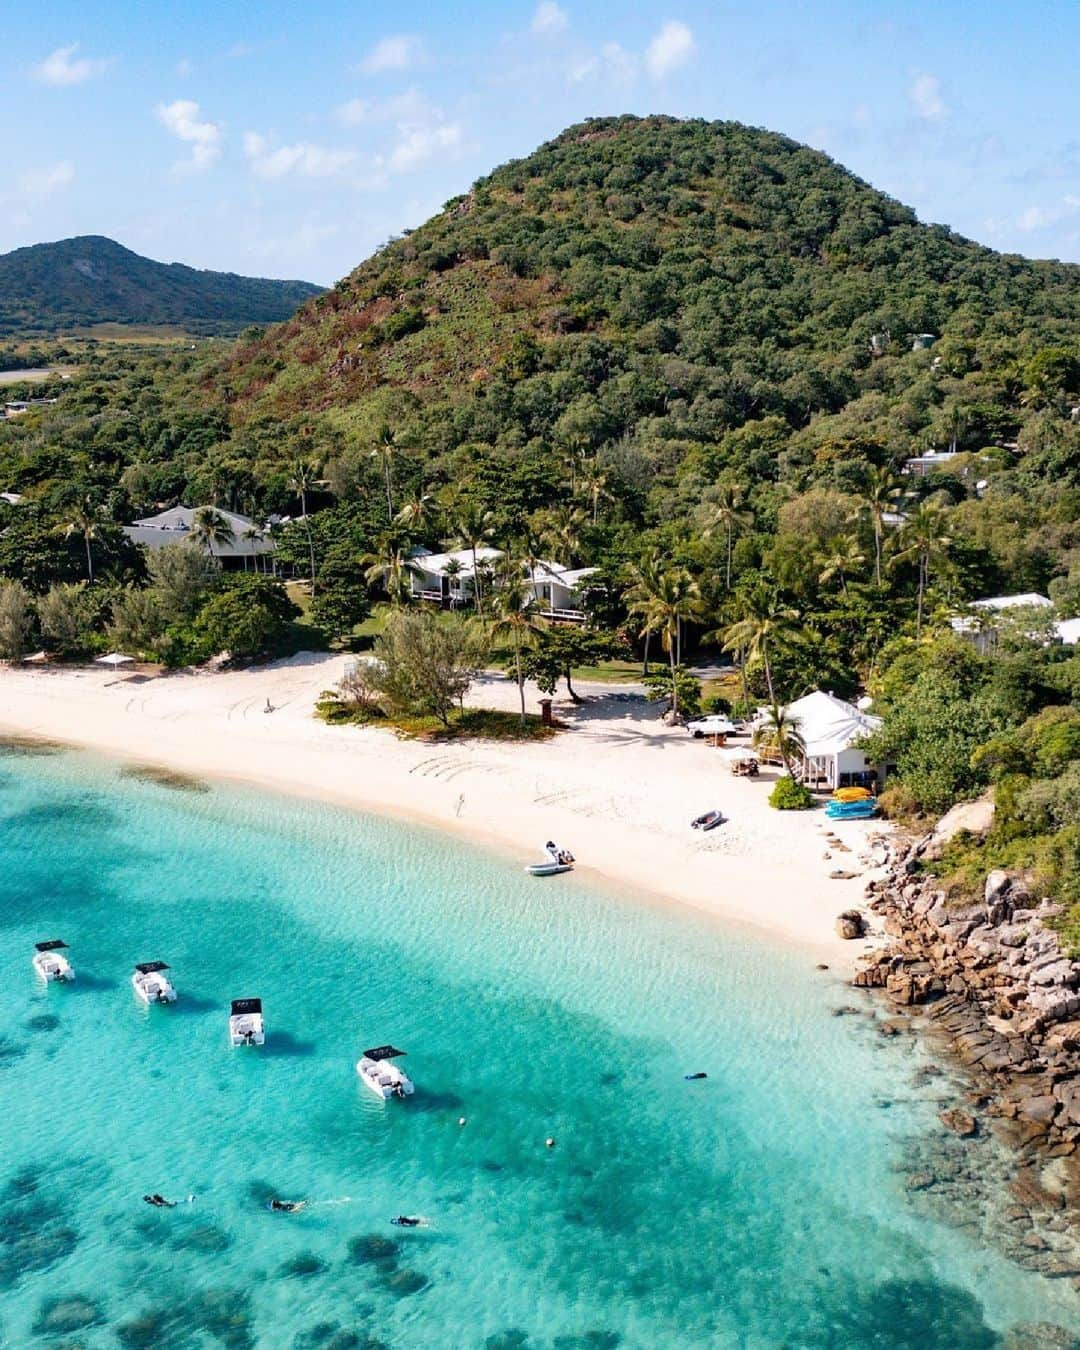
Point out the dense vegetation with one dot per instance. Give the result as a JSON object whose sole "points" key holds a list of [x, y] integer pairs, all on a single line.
{"points": [[75, 283], [693, 356]]}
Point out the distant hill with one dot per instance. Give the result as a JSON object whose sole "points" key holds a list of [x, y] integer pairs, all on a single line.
{"points": [[734, 272], [74, 283]]}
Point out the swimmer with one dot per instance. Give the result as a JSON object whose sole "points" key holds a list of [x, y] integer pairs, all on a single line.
{"points": [[693, 1077], [406, 1221], [159, 1201], [287, 1206], [549, 1142]]}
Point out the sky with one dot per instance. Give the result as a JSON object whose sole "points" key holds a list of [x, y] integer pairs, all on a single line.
{"points": [[290, 140]]}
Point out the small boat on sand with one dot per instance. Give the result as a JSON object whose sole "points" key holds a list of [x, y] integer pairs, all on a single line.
{"points": [[557, 860], [49, 963], [151, 984], [383, 1077], [865, 809], [246, 1025], [708, 821]]}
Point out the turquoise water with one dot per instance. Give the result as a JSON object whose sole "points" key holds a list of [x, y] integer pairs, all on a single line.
{"points": [[756, 1209]]}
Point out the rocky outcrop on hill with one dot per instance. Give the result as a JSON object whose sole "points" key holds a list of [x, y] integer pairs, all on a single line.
{"points": [[990, 982]]}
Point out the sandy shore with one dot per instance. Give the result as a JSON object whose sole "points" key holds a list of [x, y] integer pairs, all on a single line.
{"points": [[618, 786]]}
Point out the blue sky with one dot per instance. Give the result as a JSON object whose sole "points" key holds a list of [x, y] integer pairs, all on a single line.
{"points": [[282, 139]]}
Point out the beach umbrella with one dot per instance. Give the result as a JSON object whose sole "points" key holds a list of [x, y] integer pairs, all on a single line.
{"points": [[115, 659]]}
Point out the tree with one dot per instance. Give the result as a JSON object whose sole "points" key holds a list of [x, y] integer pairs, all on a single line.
{"points": [[765, 623], [391, 570], [675, 600], [383, 449], [210, 529], [303, 478], [425, 662], [842, 556], [16, 619], [926, 538], [180, 577], [678, 688], [473, 527], [644, 586], [248, 618], [781, 734], [84, 522], [516, 620], [66, 618], [879, 493], [726, 513], [137, 622], [559, 648], [594, 484], [419, 514]]}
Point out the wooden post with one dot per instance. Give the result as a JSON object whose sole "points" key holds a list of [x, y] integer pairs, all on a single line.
{"points": [[545, 712]]}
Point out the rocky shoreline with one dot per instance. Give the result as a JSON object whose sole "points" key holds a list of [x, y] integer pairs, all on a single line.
{"points": [[991, 987]]}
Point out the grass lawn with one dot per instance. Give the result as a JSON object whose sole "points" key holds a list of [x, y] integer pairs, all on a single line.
{"points": [[609, 672]]}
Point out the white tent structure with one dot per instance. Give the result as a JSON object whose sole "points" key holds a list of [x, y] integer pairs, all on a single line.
{"points": [[115, 659], [830, 730]]}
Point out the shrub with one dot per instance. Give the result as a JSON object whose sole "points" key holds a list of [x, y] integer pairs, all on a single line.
{"points": [[250, 618], [788, 795], [16, 619]]}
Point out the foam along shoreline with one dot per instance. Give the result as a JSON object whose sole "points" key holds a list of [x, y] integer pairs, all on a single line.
{"points": [[618, 787]]}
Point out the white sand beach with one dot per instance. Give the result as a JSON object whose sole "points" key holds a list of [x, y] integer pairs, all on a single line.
{"points": [[618, 786]]}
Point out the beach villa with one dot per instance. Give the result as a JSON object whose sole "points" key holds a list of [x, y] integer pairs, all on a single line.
{"points": [[248, 544], [981, 625], [830, 730], [449, 579]]}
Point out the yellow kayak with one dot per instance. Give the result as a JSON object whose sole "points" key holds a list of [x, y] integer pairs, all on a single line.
{"points": [[852, 794]]}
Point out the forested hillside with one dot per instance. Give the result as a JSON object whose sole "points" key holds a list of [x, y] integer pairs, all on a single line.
{"points": [[694, 356], [75, 283]]}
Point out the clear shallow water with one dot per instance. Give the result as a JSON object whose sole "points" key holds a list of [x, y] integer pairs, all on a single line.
{"points": [[757, 1209]]}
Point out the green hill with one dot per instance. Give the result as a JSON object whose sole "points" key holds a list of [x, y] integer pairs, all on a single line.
{"points": [[76, 283], [653, 265]]}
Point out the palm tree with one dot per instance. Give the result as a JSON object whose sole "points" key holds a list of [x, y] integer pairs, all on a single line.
{"points": [[452, 570], [251, 536], [304, 476], [954, 424], [880, 492], [562, 532], [726, 513], [418, 512], [517, 617], [391, 569], [594, 484], [643, 587], [84, 522], [781, 733], [926, 538], [383, 449], [766, 624], [473, 528], [675, 600], [210, 528], [842, 555]]}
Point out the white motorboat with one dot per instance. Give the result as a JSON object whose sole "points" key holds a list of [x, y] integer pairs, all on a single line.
{"points": [[49, 963], [246, 1022], [557, 860], [382, 1076], [152, 984]]}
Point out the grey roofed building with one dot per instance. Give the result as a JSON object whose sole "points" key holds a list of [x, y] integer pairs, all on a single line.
{"points": [[174, 526]]}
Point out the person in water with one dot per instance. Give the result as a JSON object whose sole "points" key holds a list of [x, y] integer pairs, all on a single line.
{"points": [[406, 1221], [287, 1206], [159, 1201]]}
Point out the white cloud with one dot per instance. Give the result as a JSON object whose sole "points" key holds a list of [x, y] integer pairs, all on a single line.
{"points": [[549, 18], [44, 181], [411, 106], [613, 63], [61, 67], [303, 158], [399, 52], [671, 48], [183, 66], [181, 118], [418, 143], [1041, 217], [927, 98]]}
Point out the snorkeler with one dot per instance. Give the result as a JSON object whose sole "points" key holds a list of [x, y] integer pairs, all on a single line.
{"points": [[406, 1221], [159, 1201], [287, 1206]]}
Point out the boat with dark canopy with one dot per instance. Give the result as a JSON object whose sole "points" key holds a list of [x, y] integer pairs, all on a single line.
{"points": [[246, 1022], [382, 1076], [151, 983], [49, 963]]}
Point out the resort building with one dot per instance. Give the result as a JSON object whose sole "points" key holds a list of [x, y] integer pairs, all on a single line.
{"points": [[921, 465], [830, 730], [981, 626], [246, 544], [449, 579]]}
